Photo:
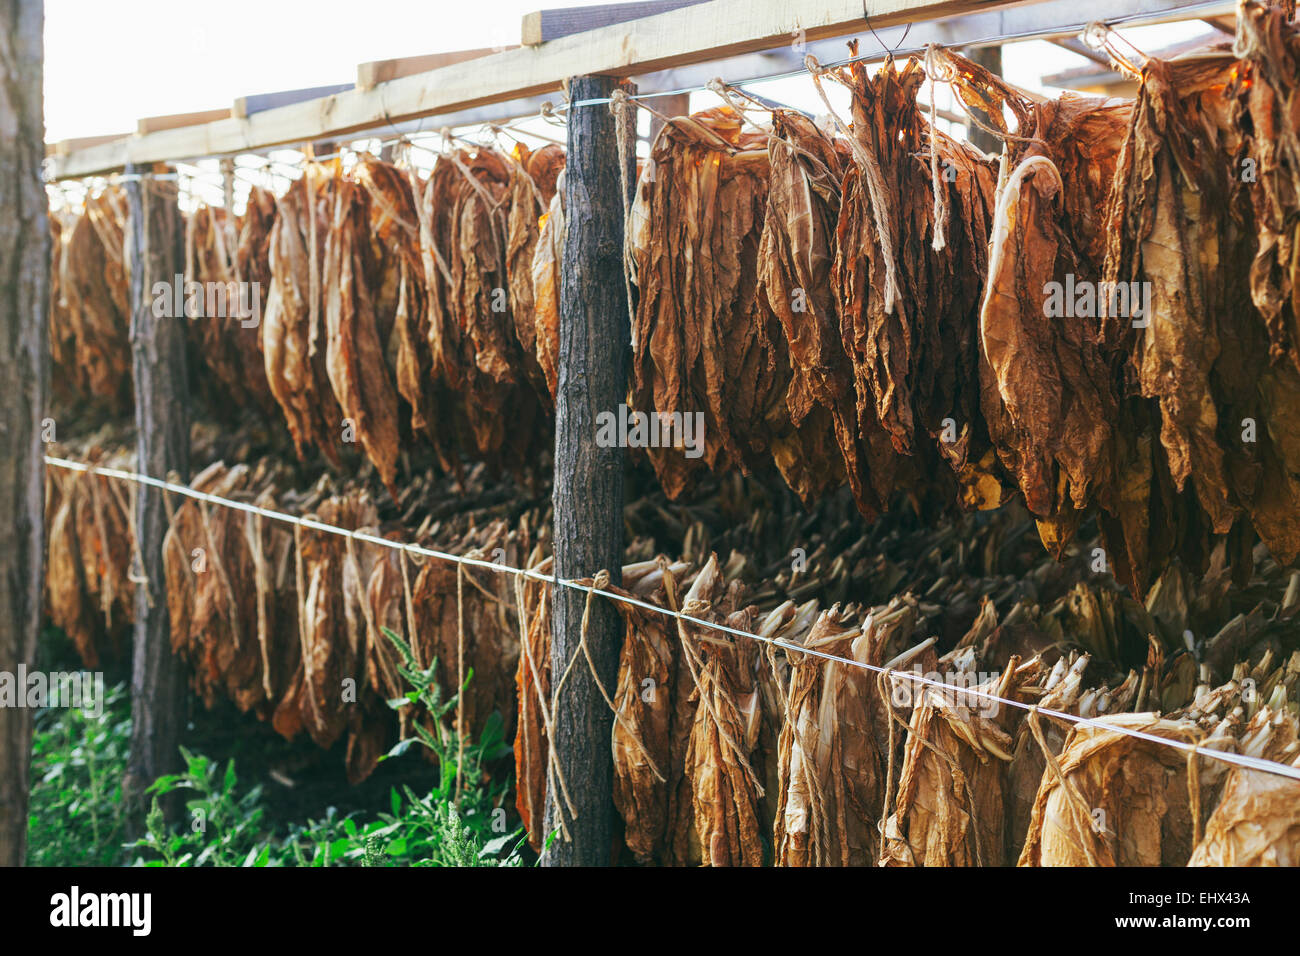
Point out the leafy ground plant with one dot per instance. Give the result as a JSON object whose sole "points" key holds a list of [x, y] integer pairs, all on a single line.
{"points": [[74, 813], [77, 809], [460, 822]]}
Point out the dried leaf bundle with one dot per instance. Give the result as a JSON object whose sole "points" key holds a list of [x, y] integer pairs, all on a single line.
{"points": [[909, 287]]}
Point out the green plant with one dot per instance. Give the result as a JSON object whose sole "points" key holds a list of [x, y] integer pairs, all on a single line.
{"points": [[461, 821], [74, 812], [77, 815], [222, 828]]}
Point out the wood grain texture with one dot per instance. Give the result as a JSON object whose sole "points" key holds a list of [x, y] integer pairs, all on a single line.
{"points": [[151, 124], [24, 370], [595, 333], [370, 75], [543, 25]]}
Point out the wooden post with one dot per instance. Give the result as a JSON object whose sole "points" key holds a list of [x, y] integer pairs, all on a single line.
{"points": [[154, 253], [989, 57], [678, 105], [24, 372], [588, 497]]}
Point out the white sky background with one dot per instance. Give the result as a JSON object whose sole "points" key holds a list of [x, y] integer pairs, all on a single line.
{"points": [[109, 63]]}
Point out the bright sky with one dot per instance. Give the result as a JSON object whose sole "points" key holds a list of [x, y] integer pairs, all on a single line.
{"points": [[107, 65]]}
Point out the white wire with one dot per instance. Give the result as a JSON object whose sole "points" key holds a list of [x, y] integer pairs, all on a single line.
{"points": [[1243, 760]]}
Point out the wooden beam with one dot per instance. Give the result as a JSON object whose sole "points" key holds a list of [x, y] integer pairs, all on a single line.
{"points": [[154, 255], [595, 333], [246, 106], [370, 75], [691, 35], [67, 147], [25, 372], [151, 124], [543, 25], [1077, 46]]}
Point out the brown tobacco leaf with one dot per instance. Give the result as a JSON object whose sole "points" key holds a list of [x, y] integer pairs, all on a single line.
{"points": [[1264, 83], [65, 585], [292, 318], [1126, 801], [1064, 691], [908, 309], [1256, 821], [89, 590], [795, 261], [89, 311], [721, 752], [387, 594], [395, 222], [831, 771], [1173, 200], [1267, 84], [702, 339], [653, 723], [238, 640], [533, 177], [474, 348], [533, 687], [1051, 392], [354, 353], [223, 315], [253, 248], [332, 611], [472, 625], [951, 789], [1213, 363], [545, 270]]}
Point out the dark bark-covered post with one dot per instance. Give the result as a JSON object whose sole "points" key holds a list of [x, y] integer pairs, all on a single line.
{"points": [[989, 57], [588, 496], [24, 376], [154, 252]]}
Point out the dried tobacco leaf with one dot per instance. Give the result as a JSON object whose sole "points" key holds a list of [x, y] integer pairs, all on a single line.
{"points": [[354, 353], [702, 340], [909, 286], [831, 770]]}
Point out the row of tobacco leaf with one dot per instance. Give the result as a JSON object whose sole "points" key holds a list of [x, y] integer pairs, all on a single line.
{"points": [[729, 749], [390, 310], [832, 317], [875, 306]]}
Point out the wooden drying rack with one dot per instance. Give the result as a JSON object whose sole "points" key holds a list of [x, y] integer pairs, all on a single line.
{"points": [[679, 49]]}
